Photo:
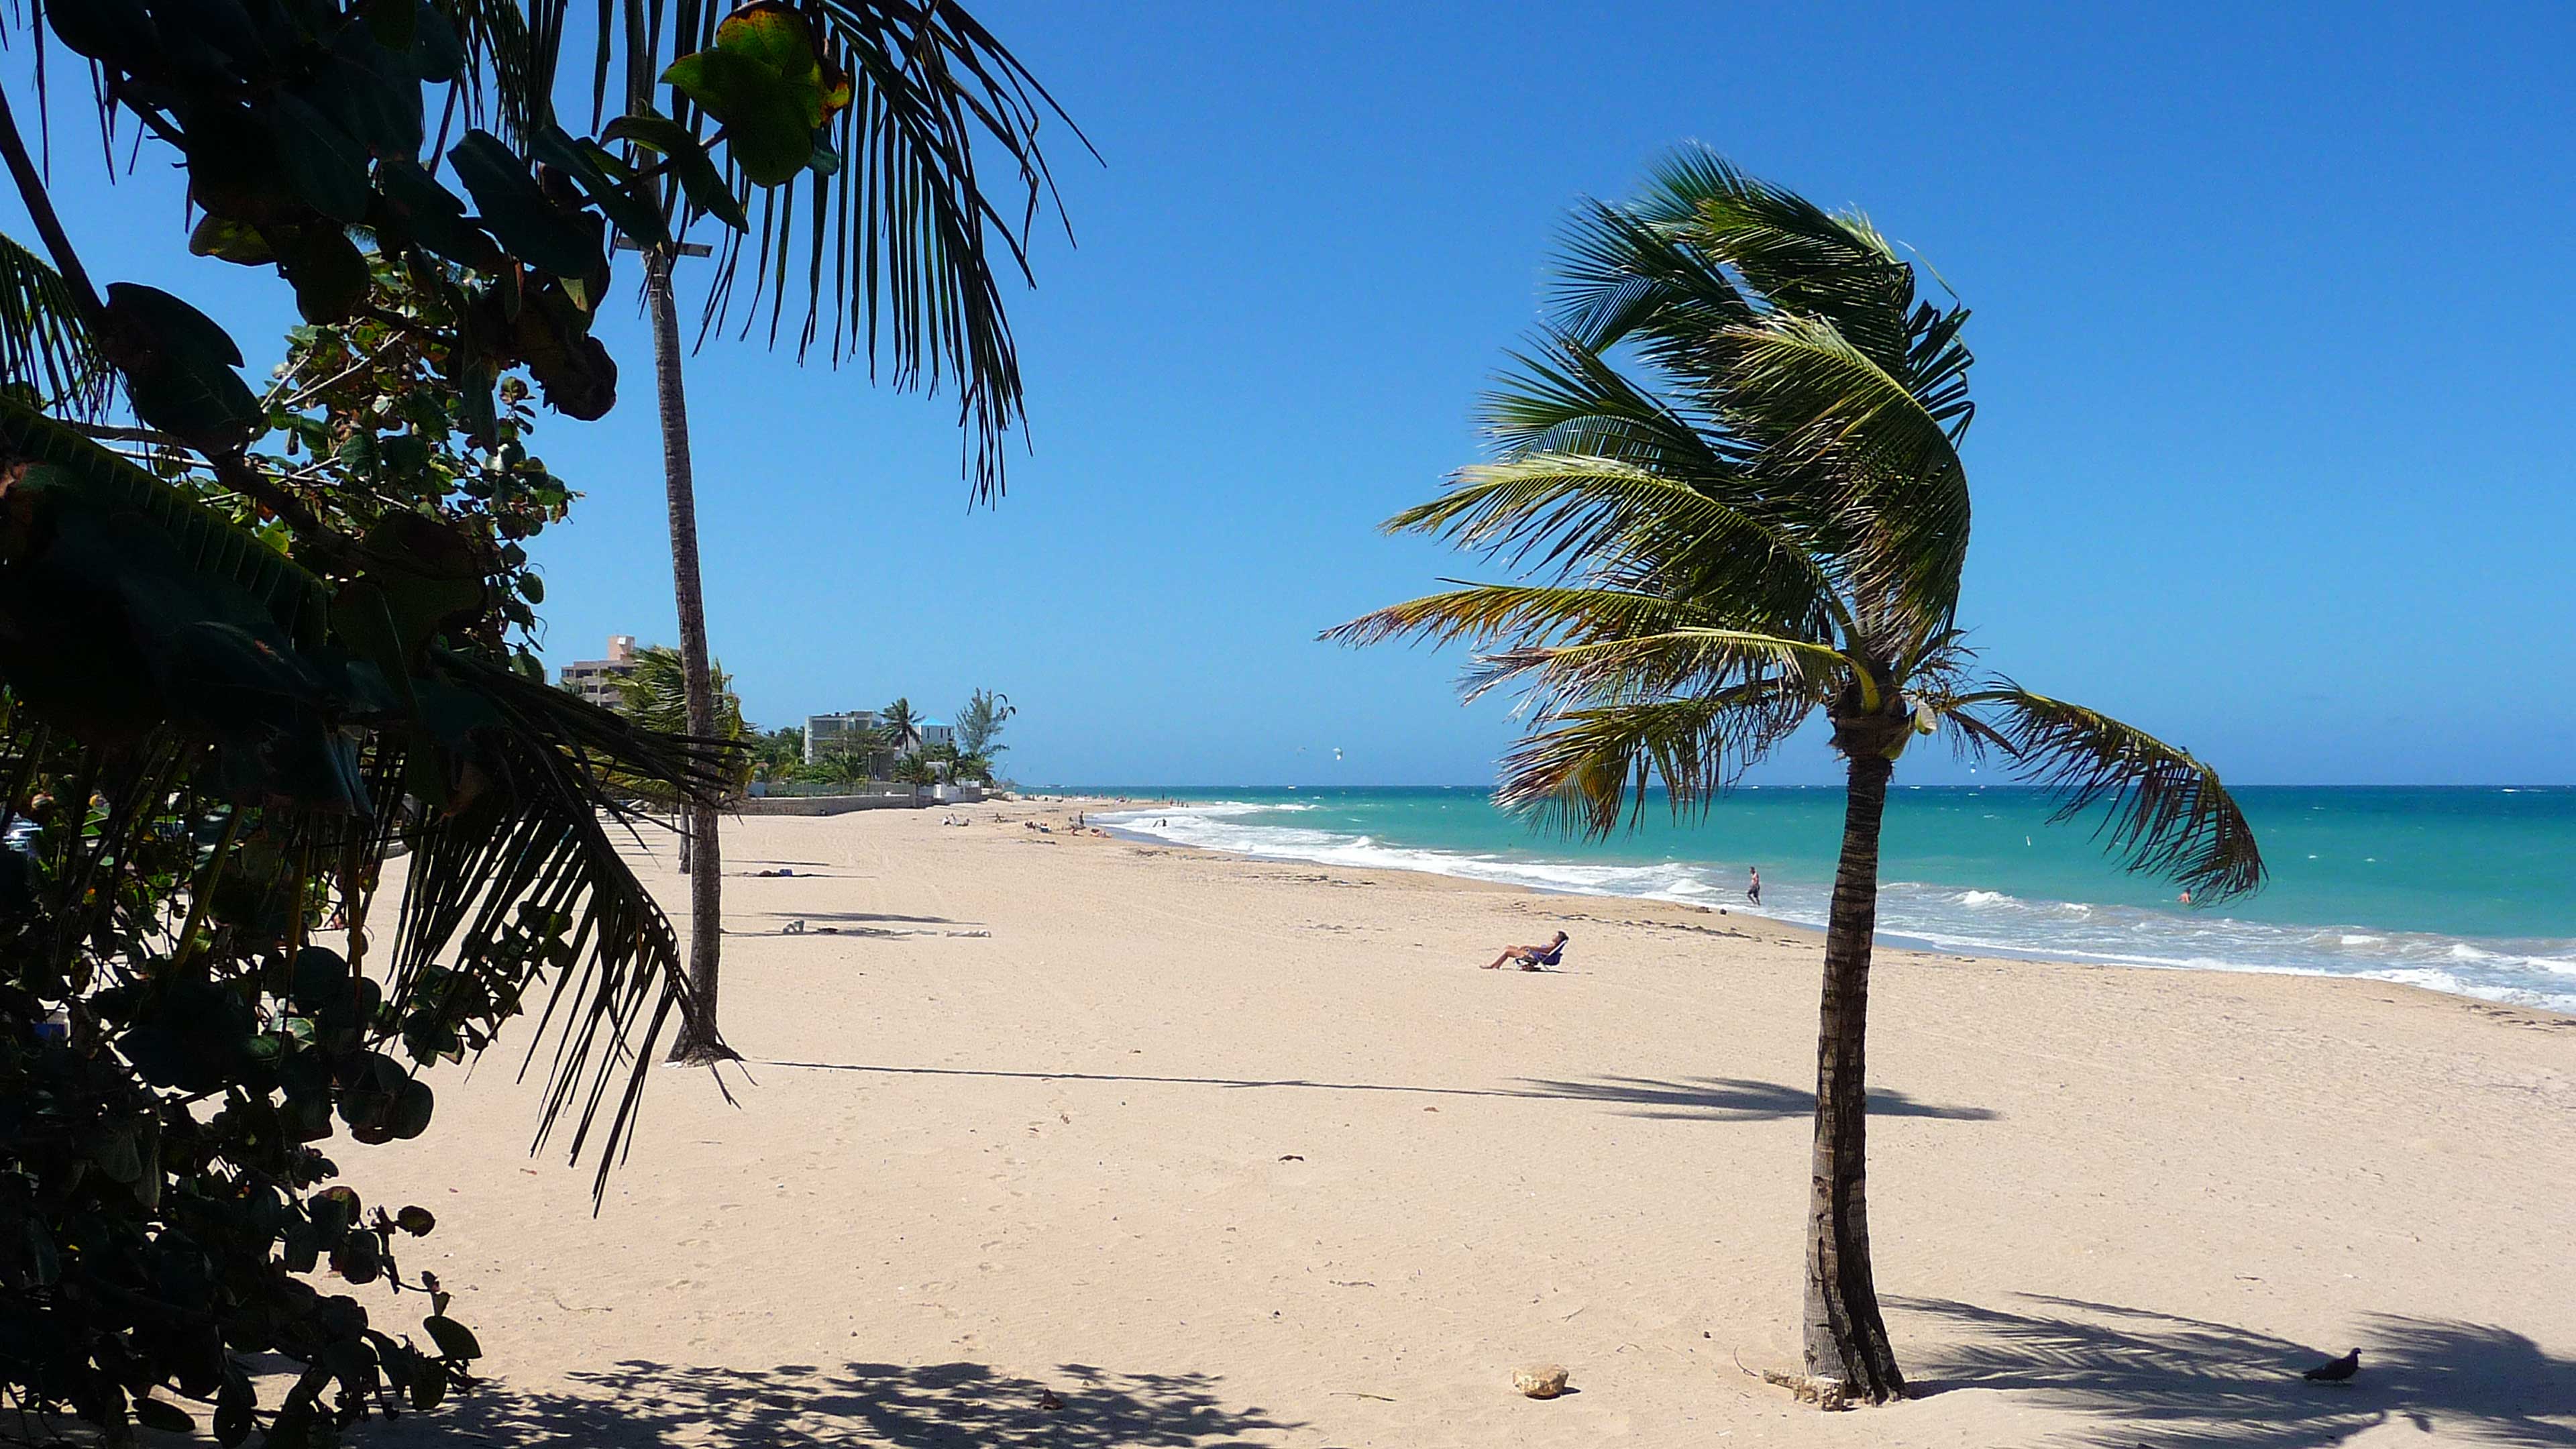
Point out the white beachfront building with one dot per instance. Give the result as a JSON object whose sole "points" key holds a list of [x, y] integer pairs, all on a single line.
{"points": [[596, 679], [824, 733]]}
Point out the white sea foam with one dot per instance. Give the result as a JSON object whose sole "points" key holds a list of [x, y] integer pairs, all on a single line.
{"points": [[2535, 973]]}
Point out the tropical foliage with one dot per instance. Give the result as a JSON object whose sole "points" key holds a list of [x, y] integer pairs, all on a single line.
{"points": [[979, 723], [1728, 474], [240, 673], [654, 694]]}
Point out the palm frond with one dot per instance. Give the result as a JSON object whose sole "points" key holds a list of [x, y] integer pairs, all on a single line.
{"points": [[523, 880], [1823, 410], [45, 348], [1793, 255], [1576, 512], [905, 245], [1565, 398], [1479, 613], [1586, 768], [1623, 276], [2165, 813], [511, 51], [1683, 662]]}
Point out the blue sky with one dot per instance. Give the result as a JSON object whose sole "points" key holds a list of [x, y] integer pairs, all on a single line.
{"points": [[2272, 456]]}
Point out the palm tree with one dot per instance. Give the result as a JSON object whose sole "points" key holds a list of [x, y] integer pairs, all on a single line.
{"points": [[900, 246], [902, 727], [655, 695], [1760, 518], [916, 770]]}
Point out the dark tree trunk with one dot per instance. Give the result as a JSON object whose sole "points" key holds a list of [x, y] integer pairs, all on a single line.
{"points": [[1845, 1337], [702, 857]]}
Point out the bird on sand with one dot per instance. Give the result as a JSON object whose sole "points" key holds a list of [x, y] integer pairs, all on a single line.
{"points": [[2335, 1371]]}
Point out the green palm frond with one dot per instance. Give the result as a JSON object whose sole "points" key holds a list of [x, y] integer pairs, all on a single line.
{"points": [[46, 350], [1826, 414], [1624, 277], [510, 53], [2165, 812], [1557, 511], [203, 539], [1688, 662], [1563, 397], [1477, 614], [1792, 255], [655, 694], [904, 246], [520, 881], [1586, 768]]}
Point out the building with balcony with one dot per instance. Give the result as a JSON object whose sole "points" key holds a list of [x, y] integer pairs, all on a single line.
{"points": [[596, 679]]}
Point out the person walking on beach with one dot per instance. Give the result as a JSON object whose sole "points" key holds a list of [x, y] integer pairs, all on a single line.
{"points": [[1753, 889], [1533, 958]]}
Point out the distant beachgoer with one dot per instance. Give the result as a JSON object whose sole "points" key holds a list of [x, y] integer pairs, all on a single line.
{"points": [[1753, 890], [2185, 898], [1533, 958]]}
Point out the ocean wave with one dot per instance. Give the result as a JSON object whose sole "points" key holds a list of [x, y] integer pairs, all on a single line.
{"points": [[2532, 973]]}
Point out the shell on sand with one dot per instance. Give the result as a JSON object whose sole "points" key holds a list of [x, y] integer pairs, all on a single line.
{"points": [[1540, 1381]]}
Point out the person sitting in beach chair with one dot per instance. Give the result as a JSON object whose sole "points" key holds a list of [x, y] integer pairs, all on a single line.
{"points": [[1533, 958]]}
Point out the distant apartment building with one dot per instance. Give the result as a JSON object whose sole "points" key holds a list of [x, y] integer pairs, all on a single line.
{"points": [[828, 734], [596, 679]]}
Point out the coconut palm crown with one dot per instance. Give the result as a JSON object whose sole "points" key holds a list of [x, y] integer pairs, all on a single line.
{"points": [[1728, 477]]}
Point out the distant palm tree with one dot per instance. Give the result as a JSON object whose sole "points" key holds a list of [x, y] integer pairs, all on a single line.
{"points": [[1765, 519], [902, 727], [655, 694], [916, 770]]}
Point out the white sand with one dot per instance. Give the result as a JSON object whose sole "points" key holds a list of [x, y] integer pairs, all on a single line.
{"points": [[1219, 1151]]}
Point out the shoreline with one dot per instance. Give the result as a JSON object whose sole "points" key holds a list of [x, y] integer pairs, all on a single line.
{"points": [[1885, 940]]}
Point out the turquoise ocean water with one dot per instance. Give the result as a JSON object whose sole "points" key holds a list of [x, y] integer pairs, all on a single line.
{"points": [[2463, 890]]}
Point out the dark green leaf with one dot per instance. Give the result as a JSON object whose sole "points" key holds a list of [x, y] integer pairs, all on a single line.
{"points": [[119, 32], [454, 1339], [411, 1109], [700, 179], [437, 51], [529, 225], [435, 218], [233, 241], [328, 272], [186, 384], [638, 216], [395, 22], [325, 166]]}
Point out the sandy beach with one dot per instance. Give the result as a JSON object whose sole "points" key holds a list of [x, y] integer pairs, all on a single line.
{"points": [[1070, 1141]]}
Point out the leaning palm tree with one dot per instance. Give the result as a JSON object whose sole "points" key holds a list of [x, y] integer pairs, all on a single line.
{"points": [[1729, 473]]}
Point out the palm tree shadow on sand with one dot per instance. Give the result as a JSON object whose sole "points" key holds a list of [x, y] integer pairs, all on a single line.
{"points": [[643, 1405], [2167, 1382], [1734, 1099]]}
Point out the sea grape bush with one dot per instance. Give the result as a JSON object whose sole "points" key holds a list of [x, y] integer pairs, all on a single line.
{"points": [[290, 643]]}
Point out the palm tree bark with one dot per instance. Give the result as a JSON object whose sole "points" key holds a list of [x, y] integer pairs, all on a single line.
{"points": [[1846, 1339], [702, 855]]}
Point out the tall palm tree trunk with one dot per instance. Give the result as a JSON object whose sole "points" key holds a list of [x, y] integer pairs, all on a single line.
{"points": [[1845, 1337], [702, 855]]}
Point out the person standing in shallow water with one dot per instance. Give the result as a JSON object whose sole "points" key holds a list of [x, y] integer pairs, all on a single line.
{"points": [[1753, 887]]}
